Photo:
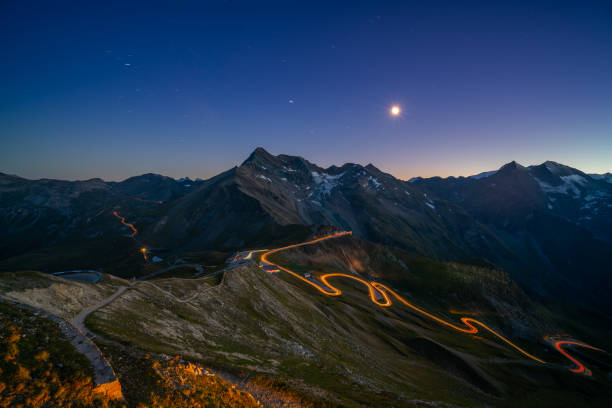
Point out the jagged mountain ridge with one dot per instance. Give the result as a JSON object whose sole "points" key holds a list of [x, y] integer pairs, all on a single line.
{"points": [[550, 187], [556, 218], [43, 213], [516, 217], [372, 204]]}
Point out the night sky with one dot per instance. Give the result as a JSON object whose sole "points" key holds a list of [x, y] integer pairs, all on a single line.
{"points": [[190, 89]]}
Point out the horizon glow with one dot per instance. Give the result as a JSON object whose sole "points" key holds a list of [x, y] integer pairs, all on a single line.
{"points": [[116, 90]]}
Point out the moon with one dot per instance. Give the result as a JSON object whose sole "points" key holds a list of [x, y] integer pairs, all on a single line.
{"points": [[395, 110]]}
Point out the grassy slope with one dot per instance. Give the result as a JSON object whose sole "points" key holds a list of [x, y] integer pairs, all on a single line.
{"points": [[30, 376], [344, 349], [347, 351], [453, 290], [149, 380], [38, 367]]}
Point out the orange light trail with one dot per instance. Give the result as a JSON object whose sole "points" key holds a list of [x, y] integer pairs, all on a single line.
{"points": [[134, 230], [148, 201], [579, 367], [384, 291], [467, 321]]}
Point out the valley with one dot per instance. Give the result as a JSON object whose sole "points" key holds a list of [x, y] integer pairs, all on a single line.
{"points": [[246, 263], [306, 204], [425, 302]]}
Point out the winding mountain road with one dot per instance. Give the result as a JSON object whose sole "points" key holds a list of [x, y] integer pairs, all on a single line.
{"points": [[381, 295], [127, 224], [199, 269], [79, 320], [580, 368]]}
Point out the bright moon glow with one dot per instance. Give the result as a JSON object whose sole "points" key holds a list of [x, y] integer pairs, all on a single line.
{"points": [[395, 110]]}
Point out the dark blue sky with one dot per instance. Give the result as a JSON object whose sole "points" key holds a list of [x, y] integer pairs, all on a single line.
{"points": [[189, 89]]}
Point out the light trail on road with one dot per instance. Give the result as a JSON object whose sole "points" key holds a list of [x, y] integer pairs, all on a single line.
{"points": [[250, 255], [384, 300], [580, 368], [468, 321], [134, 230]]}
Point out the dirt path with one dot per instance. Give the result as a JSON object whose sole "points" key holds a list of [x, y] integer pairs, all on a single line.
{"points": [[197, 292], [104, 376], [79, 320], [199, 269]]}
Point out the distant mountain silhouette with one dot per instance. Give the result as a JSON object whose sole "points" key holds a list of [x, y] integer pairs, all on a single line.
{"points": [[544, 224]]}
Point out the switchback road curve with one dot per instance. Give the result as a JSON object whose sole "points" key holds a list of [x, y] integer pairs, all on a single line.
{"points": [[381, 295], [127, 224]]}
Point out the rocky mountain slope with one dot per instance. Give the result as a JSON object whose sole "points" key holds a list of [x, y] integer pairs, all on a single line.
{"points": [[344, 351], [556, 219], [543, 224]]}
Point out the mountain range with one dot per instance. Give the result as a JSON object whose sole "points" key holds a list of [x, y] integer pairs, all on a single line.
{"points": [[549, 226]]}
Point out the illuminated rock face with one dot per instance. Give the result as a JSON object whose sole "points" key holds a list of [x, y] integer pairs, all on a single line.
{"points": [[111, 389]]}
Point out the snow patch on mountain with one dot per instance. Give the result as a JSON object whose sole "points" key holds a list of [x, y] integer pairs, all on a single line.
{"points": [[261, 176], [552, 167], [605, 177], [483, 175], [574, 178], [326, 182], [374, 181], [569, 185]]}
